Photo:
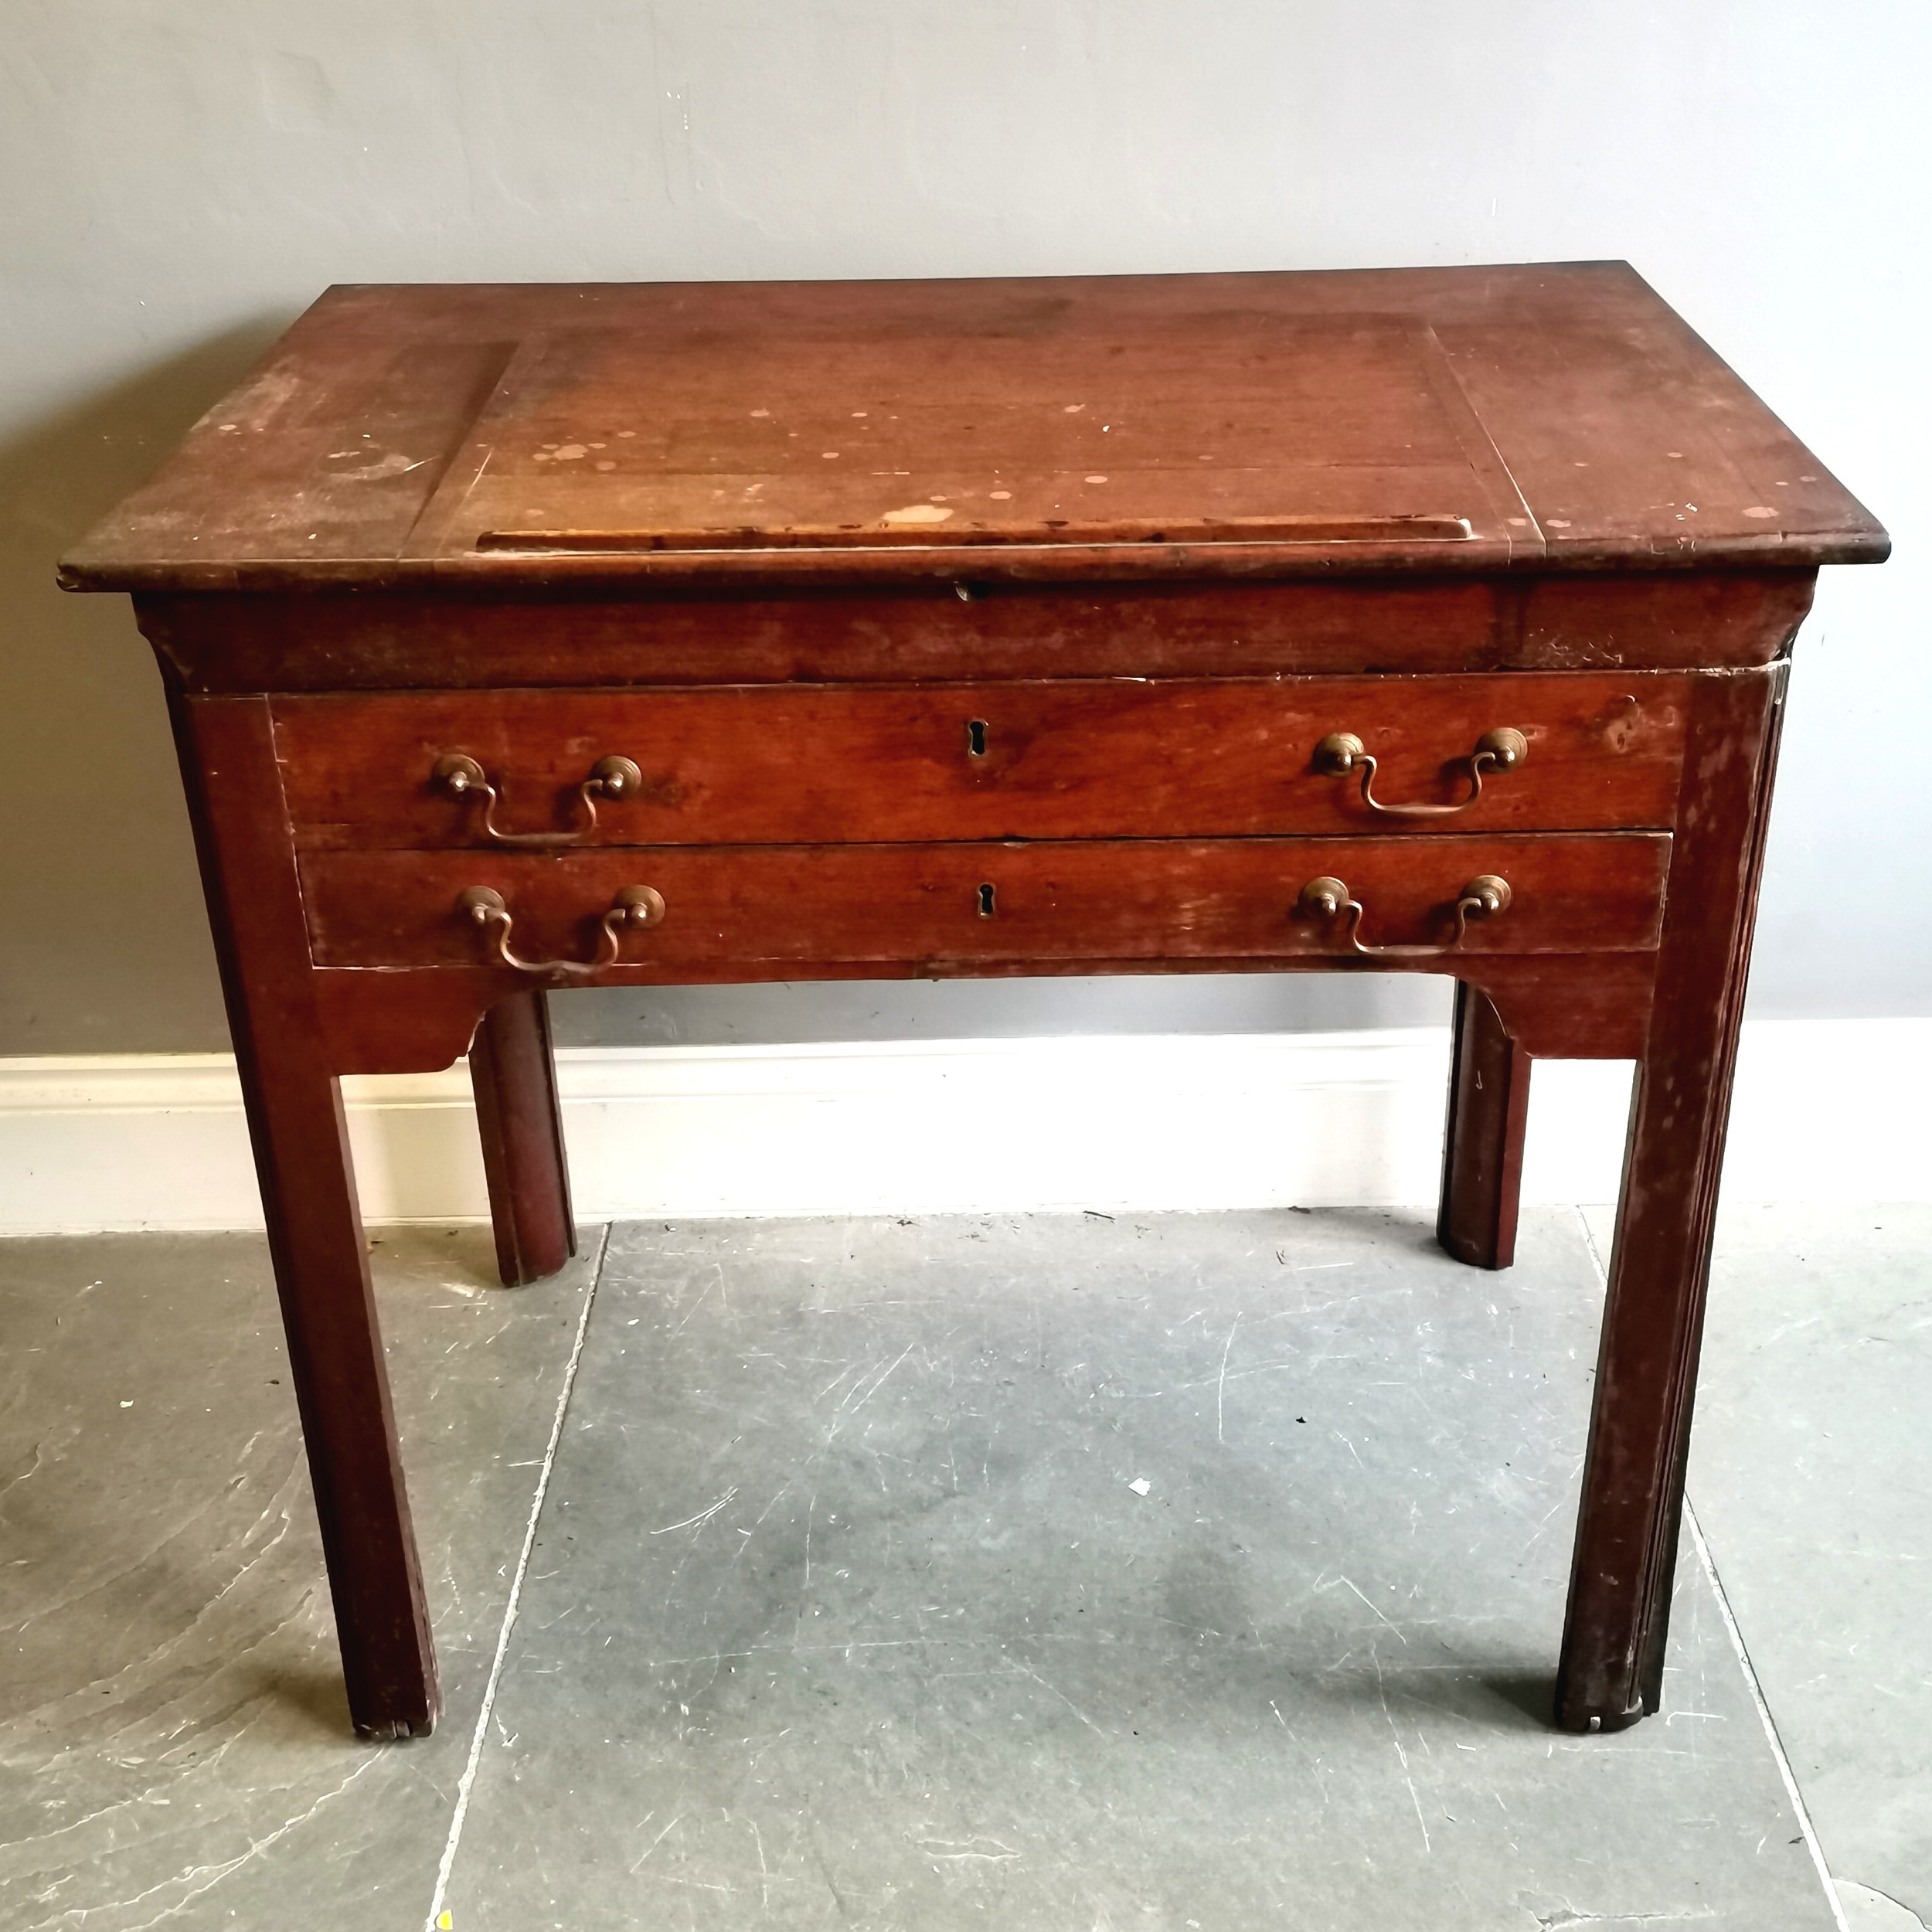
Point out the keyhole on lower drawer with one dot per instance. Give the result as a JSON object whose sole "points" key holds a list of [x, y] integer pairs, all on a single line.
{"points": [[976, 737], [986, 902]]}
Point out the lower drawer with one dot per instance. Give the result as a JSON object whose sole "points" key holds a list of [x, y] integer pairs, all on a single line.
{"points": [[1142, 899]]}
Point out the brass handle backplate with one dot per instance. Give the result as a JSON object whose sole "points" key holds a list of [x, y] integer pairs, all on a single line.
{"points": [[1485, 896], [1341, 753], [457, 775], [634, 906]]}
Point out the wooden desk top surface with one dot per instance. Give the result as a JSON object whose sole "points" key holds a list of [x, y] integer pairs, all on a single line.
{"points": [[1556, 416]]}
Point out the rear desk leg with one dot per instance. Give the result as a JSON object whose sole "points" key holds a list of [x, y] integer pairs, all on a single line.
{"points": [[514, 1073], [1482, 1150], [1613, 1658], [308, 1199]]}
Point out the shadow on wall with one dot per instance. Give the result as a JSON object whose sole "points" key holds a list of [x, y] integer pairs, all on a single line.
{"points": [[912, 1009], [105, 946]]}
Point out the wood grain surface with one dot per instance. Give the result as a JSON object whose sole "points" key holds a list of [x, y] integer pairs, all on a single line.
{"points": [[1166, 759], [520, 1120], [370, 639], [1484, 1136], [300, 1142], [1548, 416], [1612, 1668], [1093, 900]]}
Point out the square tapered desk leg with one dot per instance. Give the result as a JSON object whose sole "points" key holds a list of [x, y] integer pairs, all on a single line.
{"points": [[308, 1199], [1483, 1147], [1626, 1557], [513, 1072]]}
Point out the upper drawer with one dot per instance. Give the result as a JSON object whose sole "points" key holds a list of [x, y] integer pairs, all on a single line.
{"points": [[1179, 758]]}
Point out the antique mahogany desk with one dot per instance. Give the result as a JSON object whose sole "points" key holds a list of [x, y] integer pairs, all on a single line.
{"points": [[1436, 621]]}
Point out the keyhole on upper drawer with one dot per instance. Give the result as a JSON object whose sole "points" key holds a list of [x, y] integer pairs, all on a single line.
{"points": [[976, 737], [986, 902]]}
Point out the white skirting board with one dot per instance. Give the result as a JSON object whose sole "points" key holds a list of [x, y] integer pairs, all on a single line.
{"points": [[1825, 1110]]}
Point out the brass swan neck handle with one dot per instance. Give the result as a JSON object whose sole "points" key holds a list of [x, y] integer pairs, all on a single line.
{"points": [[1341, 753], [1486, 896], [458, 775], [636, 905]]}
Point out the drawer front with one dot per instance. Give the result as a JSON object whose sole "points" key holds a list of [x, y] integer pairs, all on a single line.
{"points": [[1167, 899], [1180, 758]]}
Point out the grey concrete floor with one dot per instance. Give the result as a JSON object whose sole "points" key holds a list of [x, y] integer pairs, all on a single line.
{"points": [[1811, 1476], [1168, 1572]]}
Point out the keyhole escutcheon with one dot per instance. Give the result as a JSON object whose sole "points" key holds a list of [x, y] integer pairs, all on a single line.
{"points": [[976, 737], [986, 908]]}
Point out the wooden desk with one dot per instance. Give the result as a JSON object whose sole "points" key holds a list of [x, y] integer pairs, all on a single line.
{"points": [[1428, 621]]}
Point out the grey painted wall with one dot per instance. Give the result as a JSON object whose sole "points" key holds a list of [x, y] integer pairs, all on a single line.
{"points": [[177, 178]]}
